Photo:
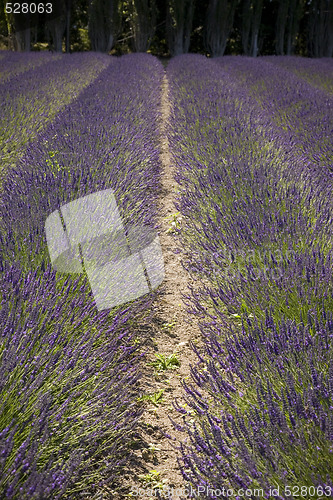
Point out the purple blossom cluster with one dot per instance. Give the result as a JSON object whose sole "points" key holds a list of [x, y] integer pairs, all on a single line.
{"points": [[67, 387], [88, 147], [262, 393], [68, 372], [269, 418]]}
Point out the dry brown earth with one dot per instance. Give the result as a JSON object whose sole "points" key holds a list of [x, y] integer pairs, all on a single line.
{"points": [[171, 330]]}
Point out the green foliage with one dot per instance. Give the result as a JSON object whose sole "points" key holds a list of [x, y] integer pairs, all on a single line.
{"points": [[165, 362], [152, 479], [174, 221], [155, 398]]}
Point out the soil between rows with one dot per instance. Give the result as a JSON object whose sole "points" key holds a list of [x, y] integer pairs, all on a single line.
{"points": [[168, 308]]}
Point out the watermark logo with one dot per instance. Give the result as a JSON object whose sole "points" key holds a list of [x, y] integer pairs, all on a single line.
{"points": [[122, 262], [252, 264]]}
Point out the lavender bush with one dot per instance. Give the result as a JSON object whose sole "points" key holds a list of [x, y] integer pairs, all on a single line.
{"points": [[69, 372], [260, 234], [300, 114], [268, 422], [258, 223], [67, 385]]}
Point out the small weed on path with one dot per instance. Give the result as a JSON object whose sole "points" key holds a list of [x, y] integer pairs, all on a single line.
{"points": [[164, 362]]}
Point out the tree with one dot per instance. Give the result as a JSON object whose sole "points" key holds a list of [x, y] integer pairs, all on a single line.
{"points": [[320, 28], [68, 23], [179, 25], [19, 31], [287, 26], [143, 15], [219, 23], [251, 18], [104, 24], [56, 26], [281, 22]]}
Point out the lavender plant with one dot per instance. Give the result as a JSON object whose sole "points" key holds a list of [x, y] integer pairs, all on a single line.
{"points": [[67, 388], [15, 63], [268, 422], [300, 114], [260, 234]]}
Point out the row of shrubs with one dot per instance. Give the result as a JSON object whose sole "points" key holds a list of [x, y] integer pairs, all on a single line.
{"points": [[257, 236], [68, 373]]}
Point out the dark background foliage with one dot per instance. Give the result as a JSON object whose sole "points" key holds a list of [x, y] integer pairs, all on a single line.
{"points": [[170, 27]]}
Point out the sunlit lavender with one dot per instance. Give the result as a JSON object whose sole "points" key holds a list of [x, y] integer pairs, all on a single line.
{"points": [[253, 148], [68, 372]]}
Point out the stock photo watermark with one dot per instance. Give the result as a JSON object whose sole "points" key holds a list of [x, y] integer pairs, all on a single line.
{"points": [[301, 491], [251, 263], [122, 262]]}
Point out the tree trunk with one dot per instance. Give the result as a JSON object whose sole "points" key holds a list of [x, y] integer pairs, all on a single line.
{"points": [[56, 27], [189, 11], [327, 6], [256, 20], [294, 17], [104, 24], [281, 26], [19, 31], [177, 43], [27, 39], [179, 25], [320, 29], [219, 22], [68, 24], [109, 44], [247, 13], [254, 44], [143, 23]]}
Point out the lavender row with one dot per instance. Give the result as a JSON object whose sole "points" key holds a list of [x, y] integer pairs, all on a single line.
{"points": [[300, 114], [317, 72], [258, 238], [262, 426], [13, 64], [67, 387], [88, 147], [82, 362], [28, 102], [262, 223]]}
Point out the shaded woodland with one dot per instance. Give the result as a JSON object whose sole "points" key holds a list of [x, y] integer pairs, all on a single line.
{"points": [[173, 27]]}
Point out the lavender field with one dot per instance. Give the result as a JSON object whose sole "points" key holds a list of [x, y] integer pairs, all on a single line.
{"points": [[253, 146], [251, 143], [68, 372]]}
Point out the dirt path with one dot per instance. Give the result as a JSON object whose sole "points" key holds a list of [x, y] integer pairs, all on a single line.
{"points": [[170, 332]]}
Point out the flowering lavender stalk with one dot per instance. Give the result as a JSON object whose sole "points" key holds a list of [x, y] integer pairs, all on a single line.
{"points": [[299, 114], [269, 419], [67, 386], [93, 145], [317, 72]]}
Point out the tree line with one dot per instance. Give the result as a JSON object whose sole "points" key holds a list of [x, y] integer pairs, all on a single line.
{"points": [[172, 27]]}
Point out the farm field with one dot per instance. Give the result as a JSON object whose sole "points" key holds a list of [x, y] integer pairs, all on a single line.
{"points": [[251, 150]]}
